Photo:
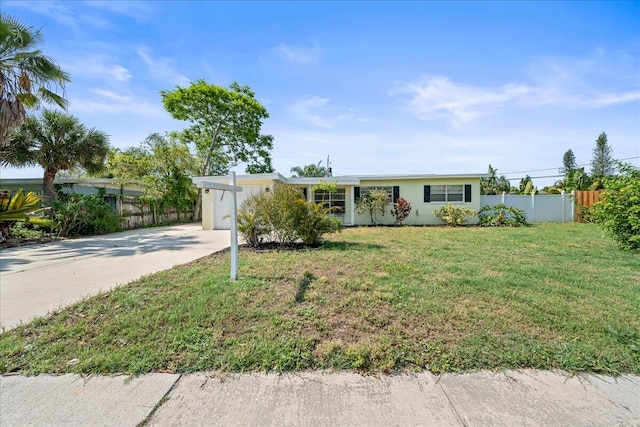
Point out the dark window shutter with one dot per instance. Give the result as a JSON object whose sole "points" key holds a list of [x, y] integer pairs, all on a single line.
{"points": [[467, 193], [304, 193], [396, 193], [356, 193], [427, 194]]}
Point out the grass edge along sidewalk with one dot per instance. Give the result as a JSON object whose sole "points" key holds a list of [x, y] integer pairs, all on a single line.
{"points": [[550, 296]]}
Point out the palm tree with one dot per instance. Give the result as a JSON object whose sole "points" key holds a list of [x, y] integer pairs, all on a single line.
{"points": [[27, 77], [311, 170], [56, 141]]}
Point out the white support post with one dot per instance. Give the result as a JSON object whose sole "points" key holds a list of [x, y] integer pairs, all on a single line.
{"points": [[352, 195], [562, 198], [533, 206], [503, 194], [233, 189], [234, 227]]}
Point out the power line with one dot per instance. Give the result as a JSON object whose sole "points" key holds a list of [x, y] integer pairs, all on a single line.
{"points": [[551, 169]]}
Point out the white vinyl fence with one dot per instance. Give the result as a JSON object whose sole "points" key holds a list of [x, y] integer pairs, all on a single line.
{"points": [[538, 208]]}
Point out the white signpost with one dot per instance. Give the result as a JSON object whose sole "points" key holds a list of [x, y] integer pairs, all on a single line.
{"points": [[233, 189]]}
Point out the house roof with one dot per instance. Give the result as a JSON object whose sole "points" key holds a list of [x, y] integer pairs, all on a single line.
{"points": [[419, 176], [90, 182], [339, 180]]}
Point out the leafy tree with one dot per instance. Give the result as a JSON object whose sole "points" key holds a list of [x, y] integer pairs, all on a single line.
{"points": [[568, 162], [494, 184], [27, 76], [554, 189], [577, 180], [310, 171], [526, 186], [618, 211], [602, 163], [226, 126], [56, 141], [163, 164]]}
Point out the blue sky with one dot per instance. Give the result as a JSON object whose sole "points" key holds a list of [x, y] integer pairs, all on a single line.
{"points": [[380, 87]]}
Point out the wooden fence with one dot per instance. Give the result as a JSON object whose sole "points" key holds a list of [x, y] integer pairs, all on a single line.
{"points": [[585, 199], [137, 214]]}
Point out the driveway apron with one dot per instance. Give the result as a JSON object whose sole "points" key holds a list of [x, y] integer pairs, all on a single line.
{"points": [[35, 280]]}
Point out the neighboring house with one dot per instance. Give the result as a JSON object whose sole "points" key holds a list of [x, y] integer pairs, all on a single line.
{"points": [[112, 191], [425, 193]]}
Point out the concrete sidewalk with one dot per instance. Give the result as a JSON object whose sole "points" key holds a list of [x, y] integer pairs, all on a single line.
{"points": [[37, 279], [512, 398]]}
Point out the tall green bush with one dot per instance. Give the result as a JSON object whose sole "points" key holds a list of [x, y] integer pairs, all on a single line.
{"points": [[279, 211], [252, 225], [374, 201], [84, 215], [284, 216], [618, 210], [314, 221]]}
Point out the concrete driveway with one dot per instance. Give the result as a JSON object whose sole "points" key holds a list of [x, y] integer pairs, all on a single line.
{"points": [[35, 280]]}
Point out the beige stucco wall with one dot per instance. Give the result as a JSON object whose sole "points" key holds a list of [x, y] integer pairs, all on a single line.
{"points": [[412, 190], [207, 209], [209, 198]]}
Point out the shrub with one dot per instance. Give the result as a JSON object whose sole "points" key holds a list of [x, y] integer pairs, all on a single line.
{"points": [[585, 214], [454, 216], [314, 221], [84, 215], [401, 210], [284, 216], [20, 208], [374, 201], [278, 208], [251, 224], [618, 211], [501, 215], [22, 230]]}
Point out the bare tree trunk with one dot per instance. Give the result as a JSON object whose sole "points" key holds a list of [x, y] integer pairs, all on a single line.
{"points": [[197, 207], [48, 193]]}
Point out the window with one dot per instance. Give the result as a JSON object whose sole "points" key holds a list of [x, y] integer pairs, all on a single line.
{"points": [[331, 200], [392, 191], [447, 193]]}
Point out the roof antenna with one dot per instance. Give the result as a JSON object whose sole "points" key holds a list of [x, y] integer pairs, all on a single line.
{"points": [[329, 173]]}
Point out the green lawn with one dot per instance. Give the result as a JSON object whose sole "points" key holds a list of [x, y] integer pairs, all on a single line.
{"points": [[372, 299]]}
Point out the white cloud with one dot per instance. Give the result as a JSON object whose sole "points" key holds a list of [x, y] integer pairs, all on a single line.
{"points": [[299, 54], [162, 68], [598, 80], [133, 9], [59, 11], [439, 98], [69, 15], [317, 111], [112, 103], [97, 66]]}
